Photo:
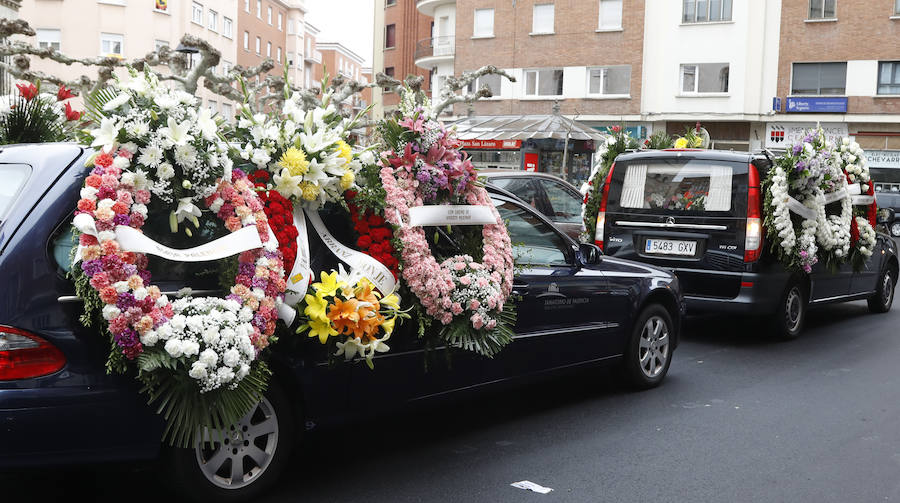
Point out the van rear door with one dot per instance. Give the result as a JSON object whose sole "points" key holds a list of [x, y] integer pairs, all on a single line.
{"points": [[683, 213]]}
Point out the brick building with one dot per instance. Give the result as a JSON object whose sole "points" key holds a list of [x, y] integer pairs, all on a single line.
{"points": [[399, 27], [261, 27]]}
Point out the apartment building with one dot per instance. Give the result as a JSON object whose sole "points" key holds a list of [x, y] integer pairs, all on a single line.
{"points": [[262, 26], [399, 28], [839, 65], [131, 30]]}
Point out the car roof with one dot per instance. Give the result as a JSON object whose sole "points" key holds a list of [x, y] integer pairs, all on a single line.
{"points": [[702, 154], [517, 173]]}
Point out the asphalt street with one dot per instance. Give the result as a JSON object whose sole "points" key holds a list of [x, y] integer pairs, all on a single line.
{"points": [[741, 417]]}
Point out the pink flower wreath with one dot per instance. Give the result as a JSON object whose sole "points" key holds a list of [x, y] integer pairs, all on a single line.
{"points": [[458, 286], [137, 310]]}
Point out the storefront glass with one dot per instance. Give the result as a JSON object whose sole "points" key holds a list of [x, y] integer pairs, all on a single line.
{"points": [[503, 159]]}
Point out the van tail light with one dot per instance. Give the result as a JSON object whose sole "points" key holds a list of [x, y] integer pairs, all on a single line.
{"points": [[24, 355], [753, 242], [601, 215]]}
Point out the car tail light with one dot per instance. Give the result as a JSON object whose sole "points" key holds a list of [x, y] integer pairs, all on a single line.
{"points": [[601, 215], [753, 242], [24, 355]]}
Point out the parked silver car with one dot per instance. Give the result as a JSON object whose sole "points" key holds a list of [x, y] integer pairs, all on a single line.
{"points": [[556, 198]]}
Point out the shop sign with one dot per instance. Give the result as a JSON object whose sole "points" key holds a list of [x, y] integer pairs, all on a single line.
{"points": [[492, 144], [781, 135], [820, 105], [531, 161], [883, 158]]}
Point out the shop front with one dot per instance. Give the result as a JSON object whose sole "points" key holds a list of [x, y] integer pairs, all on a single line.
{"points": [[544, 143]]}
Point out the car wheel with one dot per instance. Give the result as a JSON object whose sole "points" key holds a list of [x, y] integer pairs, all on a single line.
{"points": [[252, 454], [881, 300], [649, 351], [791, 314], [895, 229]]}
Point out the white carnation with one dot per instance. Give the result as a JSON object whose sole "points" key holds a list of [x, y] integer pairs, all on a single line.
{"points": [[150, 338], [121, 286], [104, 236], [141, 293], [190, 348], [231, 357], [110, 311], [209, 357], [174, 347], [121, 162], [198, 371]]}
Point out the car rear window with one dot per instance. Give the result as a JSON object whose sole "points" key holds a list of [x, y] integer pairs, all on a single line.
{"points": [[14, 177], [678, 185]]}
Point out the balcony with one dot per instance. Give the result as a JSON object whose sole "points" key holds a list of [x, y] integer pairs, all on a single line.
{"points": [[427, 7], [432, 51], [313, 57]]}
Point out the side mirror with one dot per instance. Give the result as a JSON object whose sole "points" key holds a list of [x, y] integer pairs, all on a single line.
{"points": [[590, 253], [885, 216]]}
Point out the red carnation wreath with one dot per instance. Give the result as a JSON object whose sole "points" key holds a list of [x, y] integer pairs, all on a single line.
{"points": [[280, 213], [374, 235]]}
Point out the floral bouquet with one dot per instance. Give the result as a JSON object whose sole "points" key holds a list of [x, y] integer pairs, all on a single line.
{"points": [[36, 117], [862, 226], [347, 310], [464, 279], [618, 141]]}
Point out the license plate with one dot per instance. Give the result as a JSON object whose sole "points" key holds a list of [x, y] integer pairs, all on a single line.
{"points": [[670, 247]]}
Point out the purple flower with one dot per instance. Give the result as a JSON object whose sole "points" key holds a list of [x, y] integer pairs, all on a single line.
{"points": [[92, 267], [122, 219], [125, 301], [235, 297], [129, 270], [145, 275], [130, 343], [236, 173], [259, 282], [246, 269], [259, 322], [797, 148]]}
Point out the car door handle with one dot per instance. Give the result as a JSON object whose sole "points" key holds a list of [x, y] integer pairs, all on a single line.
{"points": [[520, 289]]}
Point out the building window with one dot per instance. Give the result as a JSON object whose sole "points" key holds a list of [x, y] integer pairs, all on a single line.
{"points": [[213, 105], [197, 13], [702, 11], [278, 55], [48, 38], [227, 114], [280, 21], [819, 78], [610, 80], [226, 67], [889, 77], [822, 9], [542, 18], [390, 36], [246, 5], [258, 44], [388, 3], [268, 49], [212, 19], [610, 15], [492, 81], [246, 41], [259, 9], [269, 15], [389, 71], [547, 82], [484, 23], [227, 27], [704, 78], [290, 26], [111, 44], [159, 44], [897, 7]]}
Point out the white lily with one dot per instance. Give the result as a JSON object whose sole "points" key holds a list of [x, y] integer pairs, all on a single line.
{"points": [[106, 134], [187, 210], [177, 134], [207, 125]]}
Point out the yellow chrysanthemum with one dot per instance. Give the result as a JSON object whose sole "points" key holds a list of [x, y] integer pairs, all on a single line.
{"points": [[295, 161], [681, 143], [347, 180], [309, 191], [344, 151]]}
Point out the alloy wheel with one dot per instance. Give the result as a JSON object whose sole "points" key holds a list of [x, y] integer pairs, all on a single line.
{"points": [[887, 289], [654, 346], [238, 456], [895, 229], [793, 309]]}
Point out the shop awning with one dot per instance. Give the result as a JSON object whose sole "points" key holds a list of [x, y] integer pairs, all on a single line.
{"points": [[524, 127]]}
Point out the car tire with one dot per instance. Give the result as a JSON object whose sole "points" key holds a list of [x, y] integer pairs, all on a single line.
{"points": [[265, 436], [895, 228], [789, 318], [650, 347], [881, 300]]}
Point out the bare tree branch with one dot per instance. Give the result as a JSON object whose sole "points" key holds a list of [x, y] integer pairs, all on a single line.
{"points": [[454, 84]]}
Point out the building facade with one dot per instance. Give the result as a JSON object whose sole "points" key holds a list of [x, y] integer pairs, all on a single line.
{"points": [[402, 28], [262, 25], [107, 28]]}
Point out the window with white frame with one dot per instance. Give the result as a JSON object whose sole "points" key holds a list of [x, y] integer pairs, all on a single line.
{"points": [[609, 80], [889, 77], [897, 7], [819, 78], [159, 44], [213, 105], [269, 15], [704, 11], [492, 81], [542, 18], [544, 82], [268, 49], [280, 21], [610, 15], [227, 112], [212, 20], [48, 37], [258, 44], [278, 55], [290, 27], [246, 41], [246, 5], [259, 9], [822, 9], [227, 27], [703, 78], [484, 23], [197, 13], [226, 67], [111, 44]]}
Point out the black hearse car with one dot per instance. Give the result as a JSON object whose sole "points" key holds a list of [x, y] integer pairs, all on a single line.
{"points": [[699, 213]]}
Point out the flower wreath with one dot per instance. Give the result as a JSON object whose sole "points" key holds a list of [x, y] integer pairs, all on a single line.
{"points": [[862, 227], [213, 341]]}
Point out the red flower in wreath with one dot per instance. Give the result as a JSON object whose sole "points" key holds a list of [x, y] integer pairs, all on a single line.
{"points": [[374, 235]]}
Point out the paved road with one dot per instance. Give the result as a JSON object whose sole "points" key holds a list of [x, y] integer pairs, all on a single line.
{"points": [[740, 418]]}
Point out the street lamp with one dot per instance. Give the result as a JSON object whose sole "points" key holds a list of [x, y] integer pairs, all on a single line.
{"points": [[189, 51]]}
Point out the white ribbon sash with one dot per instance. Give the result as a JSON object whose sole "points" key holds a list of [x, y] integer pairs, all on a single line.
{"points": [[854, 189], [446, 214], [800, 209], [835, 196], [862, 200], [236, 242], [359, 262], [299, 277]]}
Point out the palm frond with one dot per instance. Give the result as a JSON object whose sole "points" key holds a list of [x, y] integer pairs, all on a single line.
{"points": [[94, 102]]}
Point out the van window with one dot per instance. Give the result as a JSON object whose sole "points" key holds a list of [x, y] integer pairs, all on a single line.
{"points": [[679, 186], [14, 177]]}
